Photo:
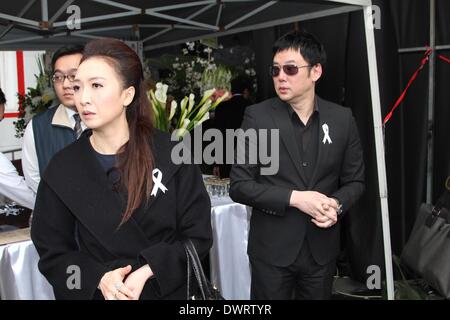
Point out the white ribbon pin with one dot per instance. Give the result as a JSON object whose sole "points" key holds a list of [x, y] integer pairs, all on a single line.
{"points": [[157, 184], [326, 132]]}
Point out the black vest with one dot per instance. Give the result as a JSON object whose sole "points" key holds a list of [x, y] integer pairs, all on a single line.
{"points": [[49, 138]]}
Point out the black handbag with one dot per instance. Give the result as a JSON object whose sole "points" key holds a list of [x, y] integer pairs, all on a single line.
{"points": [[203, 290], [427, 251]]}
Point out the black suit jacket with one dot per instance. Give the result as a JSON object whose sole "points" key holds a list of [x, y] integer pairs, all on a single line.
{"points": [[278, 231], [76, 197]]}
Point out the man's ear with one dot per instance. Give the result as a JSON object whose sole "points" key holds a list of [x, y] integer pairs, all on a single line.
{"points": [[316, 72], [129, 95]]}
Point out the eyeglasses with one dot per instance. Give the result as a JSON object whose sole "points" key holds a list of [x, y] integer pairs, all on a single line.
{"points": [[61, 77], [289, 69]]}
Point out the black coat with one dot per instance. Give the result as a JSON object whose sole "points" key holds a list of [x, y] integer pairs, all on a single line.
{"points": [[78, 211], [278, 231]]}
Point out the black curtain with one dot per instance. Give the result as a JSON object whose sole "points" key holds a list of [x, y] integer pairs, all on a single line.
{"points": [[442, 101], [411, 21]]}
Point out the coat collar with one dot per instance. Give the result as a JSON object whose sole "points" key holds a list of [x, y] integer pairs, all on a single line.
{"points": [[61, 117], [99, 208]]}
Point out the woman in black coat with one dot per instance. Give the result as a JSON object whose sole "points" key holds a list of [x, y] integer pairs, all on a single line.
{"points": [[112, 209]]}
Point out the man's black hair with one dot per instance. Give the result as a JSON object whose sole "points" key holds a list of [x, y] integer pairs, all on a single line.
{"points": [[309, 47], [66, 51]]}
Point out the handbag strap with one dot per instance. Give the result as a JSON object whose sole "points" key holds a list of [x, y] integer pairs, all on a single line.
{"points": [[442, 202], [194, 264], [188, 273]]}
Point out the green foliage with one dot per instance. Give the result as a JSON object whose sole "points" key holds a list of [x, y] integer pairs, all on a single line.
{"points": [[36, 100], [218, 78], [196, 69]]}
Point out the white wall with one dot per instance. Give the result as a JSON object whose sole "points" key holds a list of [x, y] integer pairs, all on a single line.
{"points": [[9, 85]]}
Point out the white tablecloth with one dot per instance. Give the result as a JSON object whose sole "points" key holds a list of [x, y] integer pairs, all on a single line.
{"points": [[20, 278], [230, 270]]}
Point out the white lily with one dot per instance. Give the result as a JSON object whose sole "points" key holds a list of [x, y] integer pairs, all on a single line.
{"points": [[205, 107], [182, 131], [183, 104], [191, 102], [209, 93], [203, 119], [161, 92], [185, 123], [173, 108]]}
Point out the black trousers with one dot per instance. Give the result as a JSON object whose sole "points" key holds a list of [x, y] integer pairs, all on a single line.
{"points": [[304, 279]]}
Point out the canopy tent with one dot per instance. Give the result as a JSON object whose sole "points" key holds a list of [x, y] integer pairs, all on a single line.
{"points": [[34, 24]]}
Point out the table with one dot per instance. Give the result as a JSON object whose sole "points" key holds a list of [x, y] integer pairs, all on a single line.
{"points": [[230, 269], [20, 278]]}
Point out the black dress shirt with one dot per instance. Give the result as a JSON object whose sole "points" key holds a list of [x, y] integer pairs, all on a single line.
{"points": [[306, 137]]}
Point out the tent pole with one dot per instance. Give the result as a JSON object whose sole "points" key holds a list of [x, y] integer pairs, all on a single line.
{"points": [[379, 146], [430, 128], [44, 10]]}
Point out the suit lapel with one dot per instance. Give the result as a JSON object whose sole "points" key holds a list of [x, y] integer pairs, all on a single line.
{"points": [[283, 122], [323, 148], [100, 209]]}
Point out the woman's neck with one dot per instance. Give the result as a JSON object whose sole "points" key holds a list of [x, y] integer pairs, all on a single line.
{"points": [[109, 141]]}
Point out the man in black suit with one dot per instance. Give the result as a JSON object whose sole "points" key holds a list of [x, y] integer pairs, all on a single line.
{"points": [[229, 115], [294, 229]]}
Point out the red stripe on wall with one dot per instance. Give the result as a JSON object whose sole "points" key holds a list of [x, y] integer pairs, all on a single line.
{"points": [[11, 114], [20, 75]]}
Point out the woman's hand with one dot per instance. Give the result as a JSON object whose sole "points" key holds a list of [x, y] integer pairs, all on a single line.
{"points": [[137, 279], [112, 285]]}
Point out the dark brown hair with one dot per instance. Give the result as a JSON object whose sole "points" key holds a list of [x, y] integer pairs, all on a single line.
{"points": [[135, 158], [65, 51]]}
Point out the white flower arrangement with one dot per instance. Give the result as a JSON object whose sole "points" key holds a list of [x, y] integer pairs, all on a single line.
{"points": [[189, 114]]}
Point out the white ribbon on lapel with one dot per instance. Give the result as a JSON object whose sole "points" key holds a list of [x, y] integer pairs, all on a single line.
{"points": [[326, 132], [157, 184]]}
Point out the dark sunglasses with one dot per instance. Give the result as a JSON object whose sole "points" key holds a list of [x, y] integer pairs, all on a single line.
{"points": [[289, 69]]}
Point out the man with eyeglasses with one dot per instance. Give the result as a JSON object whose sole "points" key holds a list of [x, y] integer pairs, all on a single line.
{"points": [[60, 125], [294, 230]]}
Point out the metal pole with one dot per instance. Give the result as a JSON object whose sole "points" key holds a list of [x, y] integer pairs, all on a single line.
{"points": [[379, 147], [430, 130], [44, 9]]}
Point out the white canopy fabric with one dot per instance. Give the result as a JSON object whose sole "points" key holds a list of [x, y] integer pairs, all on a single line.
{"points": [[43, 24]]}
